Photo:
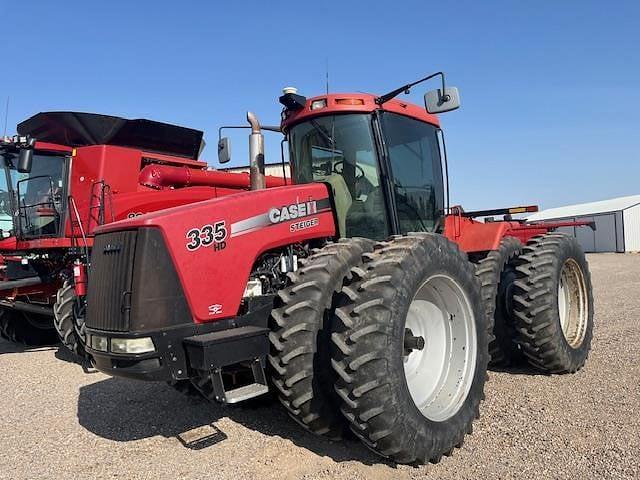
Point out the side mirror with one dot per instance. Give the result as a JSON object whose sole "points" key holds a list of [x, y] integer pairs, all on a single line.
{"points": [[224, 150], [437, 102], [25, 159]]}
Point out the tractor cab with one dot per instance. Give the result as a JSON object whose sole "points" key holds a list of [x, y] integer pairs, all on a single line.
{"points": [[383, 159]]}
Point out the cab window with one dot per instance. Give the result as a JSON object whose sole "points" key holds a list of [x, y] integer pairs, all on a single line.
{"points": [[414, 155], [340, 150]]}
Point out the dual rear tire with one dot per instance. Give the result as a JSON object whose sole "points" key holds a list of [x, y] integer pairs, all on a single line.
{"points": [[539, 303], [553, 304], [497, 274]]}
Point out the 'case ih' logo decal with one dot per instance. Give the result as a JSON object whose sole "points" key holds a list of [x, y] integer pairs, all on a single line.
{"points": [[280, 214], [293, 211]]}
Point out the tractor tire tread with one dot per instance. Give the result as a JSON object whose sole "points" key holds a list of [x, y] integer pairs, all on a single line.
{"points": [[502, 349], [64, 319], [366, 381], [535, 304], [299, 360]]}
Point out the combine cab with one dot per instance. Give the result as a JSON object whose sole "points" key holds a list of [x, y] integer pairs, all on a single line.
{"points": [[67, 173], [356, 293]]}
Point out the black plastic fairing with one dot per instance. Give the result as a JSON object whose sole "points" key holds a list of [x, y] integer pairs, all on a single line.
{"points": [[77, 129], [158, 299], [110, 278], [133, 284]]}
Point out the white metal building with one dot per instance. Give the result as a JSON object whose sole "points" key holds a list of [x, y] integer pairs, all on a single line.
{"points": [[617, 223], [273, 169]]}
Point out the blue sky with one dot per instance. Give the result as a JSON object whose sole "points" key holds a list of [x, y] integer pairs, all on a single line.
{"points": [[549, 89]]}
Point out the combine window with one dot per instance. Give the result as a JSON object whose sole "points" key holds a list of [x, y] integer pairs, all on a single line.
{"points": [[414, 156], [41, 196], [7, 181], [340, 150]]}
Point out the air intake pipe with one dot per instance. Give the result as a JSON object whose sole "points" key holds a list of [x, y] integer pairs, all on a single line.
{"points": [[256, 154], [165, 176]]}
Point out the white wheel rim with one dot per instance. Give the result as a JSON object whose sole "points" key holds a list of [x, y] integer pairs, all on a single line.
{"points": [[440, 375], [573, 308]]}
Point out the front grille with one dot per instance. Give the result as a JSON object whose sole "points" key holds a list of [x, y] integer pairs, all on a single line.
{"points": [[110, 277]]}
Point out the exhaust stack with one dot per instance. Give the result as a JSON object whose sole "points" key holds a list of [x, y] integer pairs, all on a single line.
{"points": [[256, 154]]}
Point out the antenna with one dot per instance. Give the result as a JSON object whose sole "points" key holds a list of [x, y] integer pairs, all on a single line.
{"points": [[327, 74], [6, 116]]}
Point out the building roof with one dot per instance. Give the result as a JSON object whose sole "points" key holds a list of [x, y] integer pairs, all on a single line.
{"points": [[591, 208]]}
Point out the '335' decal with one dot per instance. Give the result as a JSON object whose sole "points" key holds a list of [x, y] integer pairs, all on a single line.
{"points": [[207, 235]]}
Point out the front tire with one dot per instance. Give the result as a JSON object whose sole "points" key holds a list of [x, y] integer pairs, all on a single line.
{"points": [[410, 349], [300, 331], [67, 321], [553, 303]]}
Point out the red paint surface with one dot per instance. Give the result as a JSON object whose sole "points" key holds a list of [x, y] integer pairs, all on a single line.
{"points": [[211, 277], [163, 176], [52, 147], [119, 168], [473, 236], [369, 105]]}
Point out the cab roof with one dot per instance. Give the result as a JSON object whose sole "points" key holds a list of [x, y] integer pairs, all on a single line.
{"points": [[355, 103]]}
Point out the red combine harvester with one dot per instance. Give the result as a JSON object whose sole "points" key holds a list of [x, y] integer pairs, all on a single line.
{"points": [[366, 301], [84, 170]]}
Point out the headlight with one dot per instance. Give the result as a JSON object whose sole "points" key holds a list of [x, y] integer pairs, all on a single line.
{"points": [[318, 104], [132, 345], [99, 343]]}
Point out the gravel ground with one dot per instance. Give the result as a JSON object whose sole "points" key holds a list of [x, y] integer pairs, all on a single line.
{"points": [[59, 420]]}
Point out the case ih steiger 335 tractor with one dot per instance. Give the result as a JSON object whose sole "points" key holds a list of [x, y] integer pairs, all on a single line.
{"points": [[65, 174], [354, 291]]}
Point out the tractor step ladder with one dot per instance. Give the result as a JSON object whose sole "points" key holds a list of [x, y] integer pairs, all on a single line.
{"points": [[259, 387], [209, 353], [211, 386]]}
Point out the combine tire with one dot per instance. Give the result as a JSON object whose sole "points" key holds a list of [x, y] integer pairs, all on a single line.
{"points": [[300, 335], [553, 303], [30, 329], [410, 348], [68, 324], [497, 274]]}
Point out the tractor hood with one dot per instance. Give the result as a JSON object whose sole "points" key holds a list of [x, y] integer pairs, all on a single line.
{"points": [[79, 129]]}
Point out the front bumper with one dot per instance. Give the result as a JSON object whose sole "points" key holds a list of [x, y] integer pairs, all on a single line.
{"points": [[168, 361], [183, 351]]}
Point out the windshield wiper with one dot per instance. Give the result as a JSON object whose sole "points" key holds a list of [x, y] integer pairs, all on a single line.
{"points": [[322, 132]]}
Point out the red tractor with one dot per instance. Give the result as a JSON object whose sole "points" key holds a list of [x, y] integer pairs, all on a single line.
{"points": [[84, 170], [355, 292]]}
